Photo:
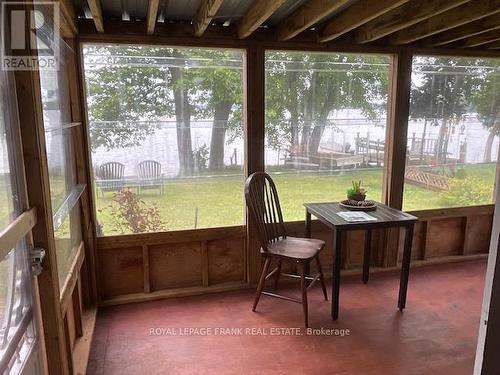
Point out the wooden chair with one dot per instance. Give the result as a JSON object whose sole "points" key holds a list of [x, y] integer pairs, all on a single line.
{"points": [[149, 172], [111, 177], [262, 201]]}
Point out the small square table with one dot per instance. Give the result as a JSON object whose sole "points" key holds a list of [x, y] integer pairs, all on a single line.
{"points": [[386, 217]]}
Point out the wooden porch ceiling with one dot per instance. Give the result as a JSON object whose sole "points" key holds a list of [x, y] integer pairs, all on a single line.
{"points": [[450, 24]]}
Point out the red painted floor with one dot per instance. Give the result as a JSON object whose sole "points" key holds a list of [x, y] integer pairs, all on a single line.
{"points": [[436, 334]]}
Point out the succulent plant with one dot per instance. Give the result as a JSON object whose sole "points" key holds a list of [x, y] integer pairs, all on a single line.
{"points": [[356, 192]]}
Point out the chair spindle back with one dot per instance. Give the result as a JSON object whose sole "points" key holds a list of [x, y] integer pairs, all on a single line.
{"points": [[262, 201]]}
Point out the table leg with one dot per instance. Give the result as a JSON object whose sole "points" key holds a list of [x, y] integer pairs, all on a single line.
{"points": [[308, 224], [336, 274], [367, 256], [405, 267]]}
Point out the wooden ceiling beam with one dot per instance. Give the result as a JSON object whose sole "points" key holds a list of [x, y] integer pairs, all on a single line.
{"points": [[96, 11], [256, 14], [305, 16], [68, 21], [494, 45], [471, 29], [403, 17], [151, 15], [356, 15], [480, 40], [455, 17], [204, 15]]}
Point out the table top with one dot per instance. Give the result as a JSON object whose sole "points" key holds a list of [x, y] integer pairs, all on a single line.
{"points": [[385, 215]]}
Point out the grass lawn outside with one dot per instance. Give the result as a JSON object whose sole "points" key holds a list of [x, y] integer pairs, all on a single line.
{"points": [[218, 201]]}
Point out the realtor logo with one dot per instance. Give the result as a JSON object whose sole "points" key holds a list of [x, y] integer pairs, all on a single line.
{"points": [[30, 35]]}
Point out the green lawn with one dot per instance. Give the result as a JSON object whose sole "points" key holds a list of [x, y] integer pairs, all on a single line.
{"points": [[218, 201]]}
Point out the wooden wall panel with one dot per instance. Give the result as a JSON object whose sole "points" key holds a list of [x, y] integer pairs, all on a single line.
{"points": [[446, 237], [418, 247], [121, 271], [479, 234], [226, 260], [175, 265]]}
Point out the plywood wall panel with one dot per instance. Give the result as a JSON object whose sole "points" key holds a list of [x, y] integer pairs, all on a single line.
{"points": [[446, 237], [479, 232], [175, 265], [226, 260], [121, 271]]}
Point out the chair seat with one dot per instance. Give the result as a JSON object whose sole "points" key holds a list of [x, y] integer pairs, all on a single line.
{"points": [[296, 248]]}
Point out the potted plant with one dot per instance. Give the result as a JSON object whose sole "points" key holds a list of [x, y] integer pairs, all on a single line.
{"points": [[356, 192]]}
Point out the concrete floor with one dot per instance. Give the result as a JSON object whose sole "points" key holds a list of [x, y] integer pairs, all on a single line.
{"points": [[436, 334]]}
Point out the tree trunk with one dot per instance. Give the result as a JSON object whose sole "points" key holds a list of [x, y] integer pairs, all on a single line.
{"points": [[440, 141], [217, 142], [293, 109], [489, 145], [308, 114], [183, 124], [319, 127]]}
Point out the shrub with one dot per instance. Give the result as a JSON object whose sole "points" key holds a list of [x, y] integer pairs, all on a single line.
{"points": [[467, 191], [131, 214]]}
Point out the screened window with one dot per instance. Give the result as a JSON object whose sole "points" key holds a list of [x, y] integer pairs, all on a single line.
{"points": [[17, 334], [325, 125], [166, 136], [453, 132], [64, 190]]}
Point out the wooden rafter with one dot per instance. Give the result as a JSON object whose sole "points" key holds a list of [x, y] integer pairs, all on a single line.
{"points": [[455, 17], [96, 11], [206, 11], [68, 19], [494, 45], [151, 15], [356, 15], [481, 39], [257, 13], [307, 15], [471, 29], [403, 17]]}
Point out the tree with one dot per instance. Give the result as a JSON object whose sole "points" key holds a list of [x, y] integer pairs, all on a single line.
{"points": [[303, 89], [120, 94], [487, 103], [442, 95], [218, 95]]}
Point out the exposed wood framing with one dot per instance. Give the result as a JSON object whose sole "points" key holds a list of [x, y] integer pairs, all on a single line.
{"points": [[83, 171], [37, 178], [72, 278], [206, 11], [356, 15], [455, 17], [471, 29], [404, 17], [151, 15], [256, 14], [494, 46], [482, 39], [306, 16], [15, 231], [68, 19], [254, 89], [96, 11], [399, 106]]}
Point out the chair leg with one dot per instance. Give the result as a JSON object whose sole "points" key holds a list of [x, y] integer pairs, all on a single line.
{"points": [[262, 280], [321, 277], [278, 274], [303, 287]]}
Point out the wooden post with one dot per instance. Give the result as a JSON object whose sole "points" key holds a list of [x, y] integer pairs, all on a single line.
{"points": [[396, 144], [397, 129], [84, 170], [254, 111], [37, 178]]}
